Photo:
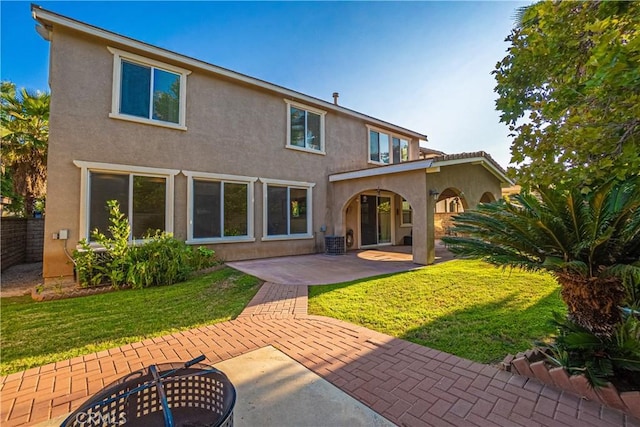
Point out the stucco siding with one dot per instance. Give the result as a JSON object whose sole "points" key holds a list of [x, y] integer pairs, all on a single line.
{"points": [[472, 180], [232, 129]]}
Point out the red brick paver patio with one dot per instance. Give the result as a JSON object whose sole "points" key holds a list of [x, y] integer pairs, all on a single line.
{"points": [[409, 384]]}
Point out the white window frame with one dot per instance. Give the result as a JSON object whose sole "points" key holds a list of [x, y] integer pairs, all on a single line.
{"points": [[401, 139], [313, 110], [118, 56], [265, 208], [226, 179], [402, 223], [391, 135], [87, 167]]}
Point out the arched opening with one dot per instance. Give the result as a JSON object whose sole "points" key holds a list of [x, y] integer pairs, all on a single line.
{"points": [[487, 197], [450, 202], [378, 218]]}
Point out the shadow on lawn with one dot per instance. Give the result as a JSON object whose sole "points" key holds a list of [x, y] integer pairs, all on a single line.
{"points": [[317, 290], [486, 333]]}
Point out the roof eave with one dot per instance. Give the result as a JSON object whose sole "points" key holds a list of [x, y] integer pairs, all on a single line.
{"points": [[422, 164], [47, 18], [488, 165]]}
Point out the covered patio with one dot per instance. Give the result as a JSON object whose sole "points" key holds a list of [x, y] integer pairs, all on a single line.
{"points": [[396, 204]]}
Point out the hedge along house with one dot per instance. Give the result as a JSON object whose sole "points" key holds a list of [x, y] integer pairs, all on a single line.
{"points": [[167, 135]]}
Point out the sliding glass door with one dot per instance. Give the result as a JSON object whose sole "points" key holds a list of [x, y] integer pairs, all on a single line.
{"points": [[375, 220]]}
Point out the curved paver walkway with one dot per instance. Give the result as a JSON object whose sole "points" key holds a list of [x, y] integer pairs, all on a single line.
{"points": [[409, 384]]}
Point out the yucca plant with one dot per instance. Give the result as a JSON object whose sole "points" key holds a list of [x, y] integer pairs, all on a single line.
{"points": [[591, 243]]}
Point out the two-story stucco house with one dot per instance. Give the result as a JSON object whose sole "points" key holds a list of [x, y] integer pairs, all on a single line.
{"points": [[168, 135]]}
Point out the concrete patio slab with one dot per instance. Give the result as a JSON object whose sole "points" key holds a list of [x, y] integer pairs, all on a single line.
{"points": [[274, 389], [321, 269]]}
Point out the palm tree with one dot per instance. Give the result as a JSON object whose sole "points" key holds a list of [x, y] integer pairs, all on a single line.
{"points": [[25, 133], [591, 243]]}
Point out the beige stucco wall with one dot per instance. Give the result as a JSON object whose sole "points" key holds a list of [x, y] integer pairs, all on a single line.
{"points": [[472, 180], [410, 185], [400, 230], [232, 129]]}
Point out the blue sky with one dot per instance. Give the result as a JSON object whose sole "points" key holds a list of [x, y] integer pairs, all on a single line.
{"points": [[422, 65]]}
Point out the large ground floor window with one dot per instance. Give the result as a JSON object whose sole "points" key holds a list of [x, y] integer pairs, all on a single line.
{"points": [[145, 196], [287, 209], [220, 207]]}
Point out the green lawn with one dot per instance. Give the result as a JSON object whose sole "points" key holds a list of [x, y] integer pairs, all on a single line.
{"points": [[467, 308], [36, 333]]}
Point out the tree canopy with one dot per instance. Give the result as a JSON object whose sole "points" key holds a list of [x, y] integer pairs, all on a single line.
{"points": [[569, 89], [24, 121]]}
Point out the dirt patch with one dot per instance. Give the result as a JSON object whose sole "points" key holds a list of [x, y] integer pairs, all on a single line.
{"points": [[20, 279], [26, 279]]}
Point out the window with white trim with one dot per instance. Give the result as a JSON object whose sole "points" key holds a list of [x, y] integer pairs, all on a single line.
{"points": [[379, 147], [148, 91], [400, 150], [305, 128], [406, 219], [220, 208], [287, 209], [145, 196], [385, 148]]}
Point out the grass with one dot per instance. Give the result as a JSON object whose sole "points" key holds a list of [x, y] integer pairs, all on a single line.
{"points": [[467, 308], [37, 333]]}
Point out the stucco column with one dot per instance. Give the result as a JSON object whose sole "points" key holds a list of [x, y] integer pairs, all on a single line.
{"points": [[419, 232], [431, 229]]}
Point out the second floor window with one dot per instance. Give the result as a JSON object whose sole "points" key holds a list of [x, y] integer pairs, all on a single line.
{"points": [[385, 148], [305, 128], [148, 91], [379, 147], [400, 150]]}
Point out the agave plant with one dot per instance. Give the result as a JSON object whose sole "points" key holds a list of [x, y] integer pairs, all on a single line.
{"points": [[591, 243]]}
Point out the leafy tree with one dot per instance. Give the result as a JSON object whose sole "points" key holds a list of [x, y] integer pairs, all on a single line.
{"points": [[15, 202], [569, 89], [591, 243], [25, 133]]}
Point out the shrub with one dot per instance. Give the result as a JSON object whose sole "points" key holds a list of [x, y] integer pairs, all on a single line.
{"points": [[600, 359], [88, 265], [159, 260], [162, 259]]}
